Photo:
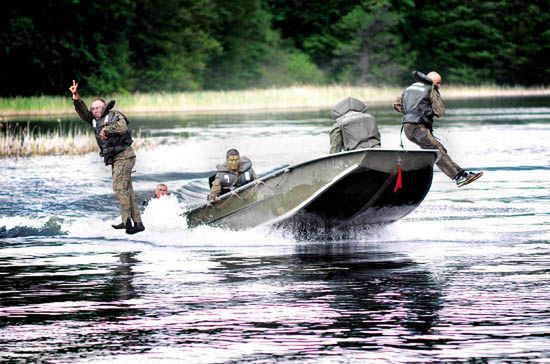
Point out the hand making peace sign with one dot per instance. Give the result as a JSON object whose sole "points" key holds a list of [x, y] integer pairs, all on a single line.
{"points": [[74, 90]]}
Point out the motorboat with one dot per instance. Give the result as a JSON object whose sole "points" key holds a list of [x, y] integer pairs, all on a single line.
{"points": [[331, 193]]}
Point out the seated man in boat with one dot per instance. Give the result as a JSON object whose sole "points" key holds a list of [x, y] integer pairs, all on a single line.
{"points": [[353, 127], [160, 190], [235, 172]]}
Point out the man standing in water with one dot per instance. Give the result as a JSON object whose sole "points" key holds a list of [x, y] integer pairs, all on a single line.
{"points": [[114, 140], [420, 102]]}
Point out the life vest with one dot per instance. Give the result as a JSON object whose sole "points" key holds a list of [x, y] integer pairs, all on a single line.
{"points": [[230, 180], [115, 143], [416, 101], [359, 129]]}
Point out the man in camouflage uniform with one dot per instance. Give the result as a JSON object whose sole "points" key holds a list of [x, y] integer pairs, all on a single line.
{"points": [[114, 140], [420, 102]]}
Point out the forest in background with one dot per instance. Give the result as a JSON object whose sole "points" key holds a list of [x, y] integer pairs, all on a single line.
{"points": [[130, 46]]}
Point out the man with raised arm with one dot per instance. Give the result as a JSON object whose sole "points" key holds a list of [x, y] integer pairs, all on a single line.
{"points": [[114, 140]]}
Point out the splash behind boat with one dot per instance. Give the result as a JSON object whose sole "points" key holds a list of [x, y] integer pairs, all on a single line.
{"points": [[336, 191]]}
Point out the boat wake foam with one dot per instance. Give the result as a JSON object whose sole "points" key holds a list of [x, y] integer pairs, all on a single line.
{"points": [[19, 228], [165, 225]]}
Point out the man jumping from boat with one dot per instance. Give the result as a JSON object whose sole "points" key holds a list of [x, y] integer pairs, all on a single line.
{"points": [[235, 172], [114, 140], [420, 102], [353, 128]]}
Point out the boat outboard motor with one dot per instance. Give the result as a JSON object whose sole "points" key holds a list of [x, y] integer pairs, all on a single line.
{"points": [[359, 128]]}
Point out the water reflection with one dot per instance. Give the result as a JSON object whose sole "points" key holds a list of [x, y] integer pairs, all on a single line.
{"points": [[48, 302], [120, 287], [376, 291], [37, 288], [335, 295]]}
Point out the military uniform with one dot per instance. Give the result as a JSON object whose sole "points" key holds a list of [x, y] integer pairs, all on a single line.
{"points": [[353, 128], [226, 180], [419, 103], [117, 152]]}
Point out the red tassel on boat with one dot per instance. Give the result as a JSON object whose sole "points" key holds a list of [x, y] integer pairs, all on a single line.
{"points": [[399, 182]]}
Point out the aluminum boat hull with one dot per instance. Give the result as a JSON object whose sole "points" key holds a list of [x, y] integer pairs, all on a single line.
{"points": [[337, 191]]}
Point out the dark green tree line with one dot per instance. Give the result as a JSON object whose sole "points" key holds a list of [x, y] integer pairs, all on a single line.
{"points": [[504, 42], [181, 45], [171, 43], [44, 44]]}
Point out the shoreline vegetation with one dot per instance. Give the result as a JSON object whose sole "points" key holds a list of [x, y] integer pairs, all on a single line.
{"points": [[24, 141], [20, 142], [252, 100]]}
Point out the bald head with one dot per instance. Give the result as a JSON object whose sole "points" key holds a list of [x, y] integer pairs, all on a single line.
{"points": [[98, 107], [435, 77]]}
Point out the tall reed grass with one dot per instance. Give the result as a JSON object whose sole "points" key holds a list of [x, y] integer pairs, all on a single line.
{"points": [[289, 98], [25, 141]]}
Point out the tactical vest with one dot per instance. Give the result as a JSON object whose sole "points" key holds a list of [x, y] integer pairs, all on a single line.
{"points": [[115, 143], [358, 130], [417, 104], [230, 180]]}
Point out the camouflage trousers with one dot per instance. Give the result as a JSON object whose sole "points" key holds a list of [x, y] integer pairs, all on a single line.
{"points": [[124, 191], [421, 136]]}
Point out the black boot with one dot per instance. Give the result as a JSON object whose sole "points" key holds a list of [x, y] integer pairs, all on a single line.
{"points": [[136, 229], [122, 225]]}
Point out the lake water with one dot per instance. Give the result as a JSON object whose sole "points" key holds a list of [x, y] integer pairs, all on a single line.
{"points": [[465, 277]]}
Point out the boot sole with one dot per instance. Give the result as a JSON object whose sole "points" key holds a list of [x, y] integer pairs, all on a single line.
{"points": [[132, 232], [468, 181]]}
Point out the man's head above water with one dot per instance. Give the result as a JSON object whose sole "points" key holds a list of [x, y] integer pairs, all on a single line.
{"points": [[161, 190], [233, 160]]}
